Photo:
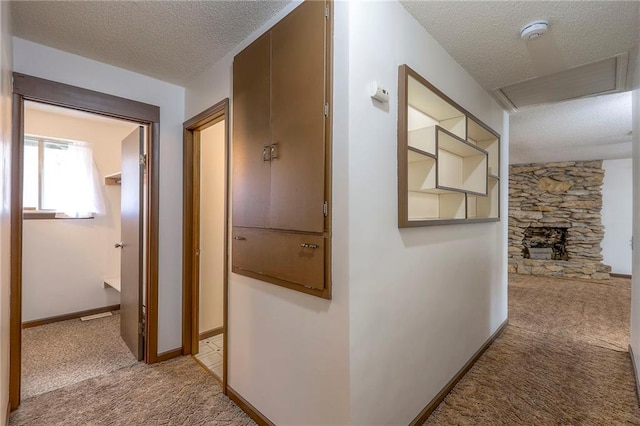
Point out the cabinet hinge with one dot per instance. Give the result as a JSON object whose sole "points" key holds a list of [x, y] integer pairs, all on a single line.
{"points": [[325, 208], [143, 160], [326, 110], [326, 12]]}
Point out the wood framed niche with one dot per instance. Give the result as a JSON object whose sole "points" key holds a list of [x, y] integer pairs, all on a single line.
{"points": [[448, 160]]}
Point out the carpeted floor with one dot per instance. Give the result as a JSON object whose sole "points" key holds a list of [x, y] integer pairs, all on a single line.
{"points": [[66, 352], [175, 392], [560, 361], [593, 312]]}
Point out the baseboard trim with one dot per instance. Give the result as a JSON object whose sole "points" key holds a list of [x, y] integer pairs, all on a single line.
{"points": [[251, 411], [620, 275], [164, 356], [426, 412], [73, 315], [211, 333], [635, 373]]}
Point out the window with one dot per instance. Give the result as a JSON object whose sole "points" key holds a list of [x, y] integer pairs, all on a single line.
{"points": [[59, 177]]}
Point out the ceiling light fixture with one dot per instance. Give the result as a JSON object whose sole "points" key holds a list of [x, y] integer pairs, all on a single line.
{"points": [[534, 30]]}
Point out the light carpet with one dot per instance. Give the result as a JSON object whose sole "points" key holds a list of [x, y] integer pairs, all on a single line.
{"points": [[559, 362], [175, 392], [59, 354], [593, 312]]}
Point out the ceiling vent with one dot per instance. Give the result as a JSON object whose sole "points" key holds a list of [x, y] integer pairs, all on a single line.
{"points": [[598, 78]]}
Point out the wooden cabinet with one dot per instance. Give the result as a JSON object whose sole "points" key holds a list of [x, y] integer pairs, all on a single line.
{"points": [[252, 134], [298, 119], [281, 148], [448, 160]]}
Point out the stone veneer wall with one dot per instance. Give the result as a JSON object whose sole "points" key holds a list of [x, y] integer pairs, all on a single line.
{"points": [[566, 194]]}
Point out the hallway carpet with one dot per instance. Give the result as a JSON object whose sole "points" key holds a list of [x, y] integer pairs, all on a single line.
{"points": [[66, 352], [175, 392], [562, 360]]}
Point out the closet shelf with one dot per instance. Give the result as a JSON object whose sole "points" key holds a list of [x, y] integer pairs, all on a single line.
{"points": [[113, 179], [113, 283]]}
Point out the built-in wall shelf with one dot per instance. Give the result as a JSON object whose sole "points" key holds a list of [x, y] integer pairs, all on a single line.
{"points": [[448, 160], [113, 179], [113, 283]]}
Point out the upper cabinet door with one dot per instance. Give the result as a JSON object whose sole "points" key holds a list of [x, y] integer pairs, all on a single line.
{"points": [[298, 82], [251, 134]]}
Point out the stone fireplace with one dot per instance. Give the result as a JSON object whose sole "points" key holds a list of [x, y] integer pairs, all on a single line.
{"points": [[555, 226]]}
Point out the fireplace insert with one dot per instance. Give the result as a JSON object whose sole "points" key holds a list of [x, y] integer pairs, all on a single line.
{"points": [[545, 243]]}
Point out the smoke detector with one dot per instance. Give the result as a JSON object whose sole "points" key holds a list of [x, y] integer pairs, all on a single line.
{"points": [[534, 30]]}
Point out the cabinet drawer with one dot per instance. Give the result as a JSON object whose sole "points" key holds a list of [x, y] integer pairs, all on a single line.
{"points": [[280, 255]]}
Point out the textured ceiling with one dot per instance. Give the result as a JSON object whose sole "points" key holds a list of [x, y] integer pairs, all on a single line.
{"points": [[585, 129], [169, 40], [484, 37]]}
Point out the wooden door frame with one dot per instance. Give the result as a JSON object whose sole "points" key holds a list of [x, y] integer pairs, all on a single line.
{"points": [[190, 224], [29, 88]]}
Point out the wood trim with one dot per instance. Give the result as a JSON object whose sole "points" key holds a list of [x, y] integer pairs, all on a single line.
{"points": [[55, 93], [7, 414], [190, 225], [328, 160], [245, 406], [153, 229], [403, 155], [73, 315], [323, 293], [620, 275], [208, 117], [426, 412], [46, 215], [167, 355], [195, 233], [635, 373], [211, 333], [15, 321]]}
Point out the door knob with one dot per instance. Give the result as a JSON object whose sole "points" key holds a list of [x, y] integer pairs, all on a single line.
{"points": [[119, 245]]}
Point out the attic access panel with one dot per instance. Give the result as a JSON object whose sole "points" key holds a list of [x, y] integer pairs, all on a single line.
{"points": [[598, 78]]}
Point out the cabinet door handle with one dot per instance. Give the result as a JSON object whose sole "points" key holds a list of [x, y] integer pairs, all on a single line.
{"points": [[311, 246], [239, 238], [266, 153], [274, 150]]}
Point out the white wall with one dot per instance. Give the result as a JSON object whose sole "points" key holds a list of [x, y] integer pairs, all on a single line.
{"points": [[288, 351], [66, 261], [617, 206], [41, 61], [212, 204], [6, 65], [422, 300], [635, 286]]}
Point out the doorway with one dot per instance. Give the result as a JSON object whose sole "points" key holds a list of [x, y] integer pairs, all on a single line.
{"points": [[140, 301], [206, 238], [71, 269]]}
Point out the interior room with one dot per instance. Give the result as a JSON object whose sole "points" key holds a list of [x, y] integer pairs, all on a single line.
{"points": [[71, 269], [212, 149], [357, 212]]}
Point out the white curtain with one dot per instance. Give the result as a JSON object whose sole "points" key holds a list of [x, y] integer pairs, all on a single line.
{"points": [[80, 196]]}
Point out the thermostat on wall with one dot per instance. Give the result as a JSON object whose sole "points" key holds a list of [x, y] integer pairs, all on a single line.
{"points": [[377, 92]]}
